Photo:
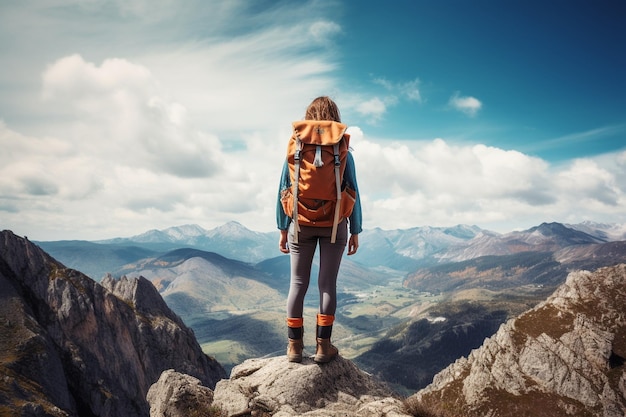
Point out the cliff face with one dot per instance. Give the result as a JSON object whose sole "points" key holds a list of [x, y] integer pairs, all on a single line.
{"points": [[70, 346], [565, 357]]}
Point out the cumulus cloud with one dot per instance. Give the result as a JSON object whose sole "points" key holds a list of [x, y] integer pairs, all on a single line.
{"points": [[439, 183], [116, 139], [166, 129], [402, 184], [467, 104], [37, 170], [374, 108], [122, 116], [126, 153], [587, 182], [72, 78]]}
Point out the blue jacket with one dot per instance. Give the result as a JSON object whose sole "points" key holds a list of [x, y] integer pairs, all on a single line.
{"points": [[349, 177]]}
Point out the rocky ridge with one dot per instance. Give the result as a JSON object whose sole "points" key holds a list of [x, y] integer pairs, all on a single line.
{"points": [[276, 387], [72, 347], [565, 357]]}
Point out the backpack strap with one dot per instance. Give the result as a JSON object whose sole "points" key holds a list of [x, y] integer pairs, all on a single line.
{"points": [[333, 236], [296, 181]]}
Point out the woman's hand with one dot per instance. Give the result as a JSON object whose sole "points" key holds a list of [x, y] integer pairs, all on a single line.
{"points": [[353, 244], [282, 242]]}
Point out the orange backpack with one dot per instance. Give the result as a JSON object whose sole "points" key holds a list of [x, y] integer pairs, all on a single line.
{"points": [[316, 155]]}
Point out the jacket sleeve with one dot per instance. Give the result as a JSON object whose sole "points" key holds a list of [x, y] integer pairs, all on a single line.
{"points": [[356, 219], [282, 220]]}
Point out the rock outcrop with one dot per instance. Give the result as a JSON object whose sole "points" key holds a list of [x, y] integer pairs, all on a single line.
{"points": [[70, 346], [564, 357], [274, 386], [178, 395]]}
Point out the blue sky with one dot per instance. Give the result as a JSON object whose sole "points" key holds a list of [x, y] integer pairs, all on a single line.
{"points": [[121, 116], [546, 73]]}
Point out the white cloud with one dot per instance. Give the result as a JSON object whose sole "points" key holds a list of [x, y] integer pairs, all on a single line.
{"points": [[56, 188], [411, 90], [123, 117], [587, 182], [408, 90], [468, 105], [406, 184], [124, 156], [322, 31], [136, 126], [72, 78], [374, 108]]}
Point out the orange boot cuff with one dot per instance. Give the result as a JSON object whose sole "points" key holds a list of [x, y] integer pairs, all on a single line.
{"points": [[295, 322], [325, 320]]}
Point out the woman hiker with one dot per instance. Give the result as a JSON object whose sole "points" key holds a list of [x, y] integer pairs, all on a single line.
{"points": [[306, 219]]}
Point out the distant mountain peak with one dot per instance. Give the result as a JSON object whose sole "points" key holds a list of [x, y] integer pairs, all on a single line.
{"points": [[550, 229], [232, 229], [185, 231], [548, 226], [605, 231]]}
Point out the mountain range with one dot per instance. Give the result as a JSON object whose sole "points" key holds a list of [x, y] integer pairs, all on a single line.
{"points": [[71, 346], [388, 298], [403, 250]]}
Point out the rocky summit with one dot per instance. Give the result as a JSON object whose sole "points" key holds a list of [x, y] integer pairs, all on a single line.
{"points": [[70, 346], [565, 357], [276, 387]]}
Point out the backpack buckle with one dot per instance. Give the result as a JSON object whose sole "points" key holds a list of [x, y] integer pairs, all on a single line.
{"points": [[336, 154], [296, 155]]}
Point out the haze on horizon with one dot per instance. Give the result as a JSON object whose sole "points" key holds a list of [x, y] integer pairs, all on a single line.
{"points": [[121, 117]]}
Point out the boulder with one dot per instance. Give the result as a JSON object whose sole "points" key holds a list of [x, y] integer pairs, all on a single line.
{"points": [[281, 388], [177, 395]]}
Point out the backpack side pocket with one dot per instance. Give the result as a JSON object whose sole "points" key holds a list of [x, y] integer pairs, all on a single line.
{"points": [[348, 200]]}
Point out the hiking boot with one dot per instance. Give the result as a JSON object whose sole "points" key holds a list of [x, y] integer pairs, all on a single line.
{"points": [[294, 350], [325, 351], [295, 333]]}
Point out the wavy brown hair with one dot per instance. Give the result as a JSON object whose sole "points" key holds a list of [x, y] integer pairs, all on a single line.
{"points": [[323, 108]]}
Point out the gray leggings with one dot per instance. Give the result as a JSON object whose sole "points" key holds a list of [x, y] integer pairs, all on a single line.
{"points": [[301, 260]]}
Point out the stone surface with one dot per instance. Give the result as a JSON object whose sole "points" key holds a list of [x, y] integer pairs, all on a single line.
{"points": [[73, 347], [281, 388], [564, 357], [177, 395]]}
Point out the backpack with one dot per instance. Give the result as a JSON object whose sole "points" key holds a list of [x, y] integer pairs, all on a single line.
{"points": [[316, 155]]}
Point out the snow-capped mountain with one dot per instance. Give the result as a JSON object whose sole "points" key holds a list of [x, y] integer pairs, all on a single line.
{"points": [[606, 231], [178, 234], [547, 237], [402, 250], [406, 248], [232, 240]]}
